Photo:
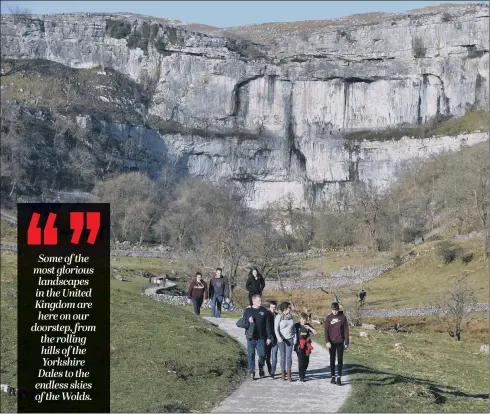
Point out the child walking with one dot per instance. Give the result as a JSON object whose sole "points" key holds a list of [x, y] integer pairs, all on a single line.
{"points": [[303, 345]]}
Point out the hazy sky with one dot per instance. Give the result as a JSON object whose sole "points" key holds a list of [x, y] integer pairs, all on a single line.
{"points": [[226, 13]]}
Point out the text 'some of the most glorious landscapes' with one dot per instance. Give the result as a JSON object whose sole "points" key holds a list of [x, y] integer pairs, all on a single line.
{"points": [[63, 313]]}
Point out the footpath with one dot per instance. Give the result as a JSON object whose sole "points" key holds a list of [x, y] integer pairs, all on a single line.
{"points": [[317, 394]]}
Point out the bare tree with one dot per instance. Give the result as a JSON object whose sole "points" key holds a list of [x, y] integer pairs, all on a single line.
{"points": [[135, 201], [479, 166], [358, 304], [456, 305], [263, 243], [368, 199], [20, 14], [289, 293]]}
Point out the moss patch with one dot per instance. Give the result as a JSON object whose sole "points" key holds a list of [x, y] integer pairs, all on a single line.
{"points": [[473, 120]]}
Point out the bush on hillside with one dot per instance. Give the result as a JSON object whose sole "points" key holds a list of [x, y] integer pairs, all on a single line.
{"points": [[466, 258], [448, 251]]}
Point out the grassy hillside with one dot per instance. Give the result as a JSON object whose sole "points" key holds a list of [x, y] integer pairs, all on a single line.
{"points": [[430, 373], [149, 340], [336, 260], [8, 232], [415, 282], [476, 331], [8, 329], [412, 284]]}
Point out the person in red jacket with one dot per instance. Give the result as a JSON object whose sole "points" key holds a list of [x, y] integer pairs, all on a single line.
{"points": [[198, 292], [337, 339]]}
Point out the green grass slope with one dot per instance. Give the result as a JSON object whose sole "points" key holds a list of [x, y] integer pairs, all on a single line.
{"points": [[163, 358], [412, 284], [430, 373]]}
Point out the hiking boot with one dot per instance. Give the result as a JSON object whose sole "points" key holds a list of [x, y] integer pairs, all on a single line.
{"points": [[252, 376], [332, 381], [283, 377], [272, 376], [261, 373], [302, 379], [289, 375], [338, 381]]}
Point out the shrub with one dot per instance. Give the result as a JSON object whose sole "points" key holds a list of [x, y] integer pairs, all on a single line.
{"points": [[397, 259], [466, 258], [448, 252]]}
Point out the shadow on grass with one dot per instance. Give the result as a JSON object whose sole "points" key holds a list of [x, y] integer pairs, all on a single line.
{"points": [[383, 378]]}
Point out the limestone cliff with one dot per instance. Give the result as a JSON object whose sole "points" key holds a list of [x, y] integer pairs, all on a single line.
{"points": [[281, 107]]}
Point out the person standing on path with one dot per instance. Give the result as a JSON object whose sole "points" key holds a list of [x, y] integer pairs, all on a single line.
{"points": [[284, 330], [272, 348], [259, 333], [219, 290], [255, 284], [303, 345], [336, 339], [198, 292]]}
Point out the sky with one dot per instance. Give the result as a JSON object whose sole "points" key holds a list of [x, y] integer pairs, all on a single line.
{"points": [[226, 13]]}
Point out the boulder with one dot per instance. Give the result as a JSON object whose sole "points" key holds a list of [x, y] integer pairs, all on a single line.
{"points": [[484, 349], [368, 326]]}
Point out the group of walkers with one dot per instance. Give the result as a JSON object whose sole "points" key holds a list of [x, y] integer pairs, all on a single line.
{"points": [[219, 291], [269, 332]]}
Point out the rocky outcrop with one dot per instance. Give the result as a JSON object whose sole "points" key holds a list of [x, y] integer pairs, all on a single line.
{"points": [[280, 108]]}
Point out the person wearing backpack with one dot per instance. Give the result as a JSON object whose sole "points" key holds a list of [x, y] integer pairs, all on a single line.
{"points": [[258, 331], [285, 333]]}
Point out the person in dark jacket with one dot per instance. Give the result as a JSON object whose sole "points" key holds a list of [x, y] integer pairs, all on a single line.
{"points": [[362, 296], [198, 292], [219, 290], [262, 335], [336, 339], [255, 284], [272, 348]]}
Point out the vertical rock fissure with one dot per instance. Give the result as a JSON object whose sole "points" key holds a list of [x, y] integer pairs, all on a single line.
{"points": [[236, 93], [346, 102], [445, 99], [419, 110], [293, 150]]}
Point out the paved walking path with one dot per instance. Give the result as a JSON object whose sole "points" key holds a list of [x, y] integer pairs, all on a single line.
{"points": [[153, 290], [268, 395]]}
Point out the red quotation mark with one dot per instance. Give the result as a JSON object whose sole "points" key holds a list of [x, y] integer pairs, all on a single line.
{"points": [[50, 232], [77, 225]]}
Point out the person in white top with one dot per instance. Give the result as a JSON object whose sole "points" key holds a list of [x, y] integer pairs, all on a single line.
{"points": [[285, 333]]}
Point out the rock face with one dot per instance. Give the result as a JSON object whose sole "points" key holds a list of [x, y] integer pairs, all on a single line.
{"points": [[276, 108]]}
